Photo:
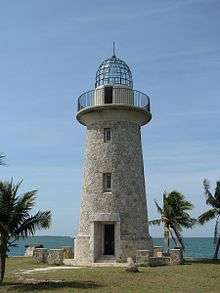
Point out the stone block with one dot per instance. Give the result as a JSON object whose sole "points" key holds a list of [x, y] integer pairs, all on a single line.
{"points": [[176, 256], [158, 251], [29, 249], [68, 252], [157, 261], [55, 257], [40, 255], [142, 257]]}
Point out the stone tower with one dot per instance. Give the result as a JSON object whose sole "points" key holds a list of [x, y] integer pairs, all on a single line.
{"points": [[113, 214]]}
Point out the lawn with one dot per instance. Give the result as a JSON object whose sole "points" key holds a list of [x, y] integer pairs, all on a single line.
{"points": [[196, 277]]}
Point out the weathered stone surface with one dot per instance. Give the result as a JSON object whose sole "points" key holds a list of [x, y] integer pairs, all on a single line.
{"points": [[142, 257], [40, 255], [131, 266], [176, 256], [122, 157], [68, 252], [158, 250], [29, 249], [158, 261], [55, 257]]}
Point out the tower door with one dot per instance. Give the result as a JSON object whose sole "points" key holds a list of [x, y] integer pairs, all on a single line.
{"points": [[108, 94], [109, 239]]}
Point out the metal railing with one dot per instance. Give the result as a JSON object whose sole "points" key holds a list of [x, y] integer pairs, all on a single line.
{"points": [[139, 99]]}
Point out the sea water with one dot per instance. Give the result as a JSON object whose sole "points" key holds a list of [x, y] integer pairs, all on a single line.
{"points": [[196, 247]]}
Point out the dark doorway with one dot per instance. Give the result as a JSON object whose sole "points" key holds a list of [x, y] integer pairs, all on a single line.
{"points": [[108, 94], [109, 239]]}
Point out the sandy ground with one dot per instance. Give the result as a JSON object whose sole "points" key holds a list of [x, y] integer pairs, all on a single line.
{"points": [[47, 269]]}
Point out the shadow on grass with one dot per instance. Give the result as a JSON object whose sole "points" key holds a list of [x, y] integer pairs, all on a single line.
{"points": [[48, 285], [203, 261]]}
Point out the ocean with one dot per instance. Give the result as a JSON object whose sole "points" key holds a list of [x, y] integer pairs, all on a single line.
{"points": [[196, 247]]}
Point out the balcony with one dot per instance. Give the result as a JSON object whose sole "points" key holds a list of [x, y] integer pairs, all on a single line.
{"points": [[124, 96]]}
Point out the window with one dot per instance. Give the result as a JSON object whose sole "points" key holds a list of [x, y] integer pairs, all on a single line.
{"points": [[108, 95], [107, 182], [107, 134]]}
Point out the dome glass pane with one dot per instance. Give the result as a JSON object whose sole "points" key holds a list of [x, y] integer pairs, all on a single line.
{"points": [[114, 71]]}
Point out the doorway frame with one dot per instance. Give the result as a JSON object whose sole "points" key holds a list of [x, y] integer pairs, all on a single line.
{"points": [[97, 252]]}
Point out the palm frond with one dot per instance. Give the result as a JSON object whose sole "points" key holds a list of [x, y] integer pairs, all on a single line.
{"points": [[2, 162], [159, 209], [217, 194], [7, 201], [22, 207], [210, 199], [41, 220], [155, 222], [207, 216], [15, 218]]}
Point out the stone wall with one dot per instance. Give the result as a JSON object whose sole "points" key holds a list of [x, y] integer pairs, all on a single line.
{"points": [[158, 261], [142, 257], [55, 257]]}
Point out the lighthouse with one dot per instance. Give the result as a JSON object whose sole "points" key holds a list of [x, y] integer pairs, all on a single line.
{"points": [[113, 211]]}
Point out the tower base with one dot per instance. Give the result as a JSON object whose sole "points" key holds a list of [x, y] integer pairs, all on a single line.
{"points": [[106, 244]]}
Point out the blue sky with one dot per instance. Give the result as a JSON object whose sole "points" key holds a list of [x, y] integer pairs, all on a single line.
{"points": [[49, 53]]}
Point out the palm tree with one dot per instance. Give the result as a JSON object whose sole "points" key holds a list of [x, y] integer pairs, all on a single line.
{"points": [[174, 216], [15, 218], [214, 212]]}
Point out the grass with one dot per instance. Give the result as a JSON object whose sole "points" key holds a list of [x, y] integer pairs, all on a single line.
{"points": [[194, 277]]}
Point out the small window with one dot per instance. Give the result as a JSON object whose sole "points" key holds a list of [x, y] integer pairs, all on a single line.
{"points": [[107, 134], [107, 182], [108, 94]]}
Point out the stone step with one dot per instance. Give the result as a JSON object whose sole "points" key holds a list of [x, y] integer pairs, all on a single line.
{"points": [[106, 260]]}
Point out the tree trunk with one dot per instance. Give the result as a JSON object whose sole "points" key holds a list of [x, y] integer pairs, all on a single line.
{"points": [[2, 266], [174, 240], [3, 254], [216, 249], [178, 237], [166, 238]]}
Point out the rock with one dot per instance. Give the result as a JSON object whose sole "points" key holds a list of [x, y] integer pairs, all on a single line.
{"points": [[131, 266], [40, 255]]}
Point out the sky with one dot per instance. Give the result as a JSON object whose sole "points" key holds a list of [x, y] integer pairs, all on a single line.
{"points": [[49, 53]]}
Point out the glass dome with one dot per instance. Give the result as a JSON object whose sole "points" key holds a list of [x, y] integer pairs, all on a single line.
{"points": [[113, 71]]}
